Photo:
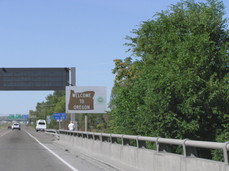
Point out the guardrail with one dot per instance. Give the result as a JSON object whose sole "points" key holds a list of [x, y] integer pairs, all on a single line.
{"points": [[188, 146], [51, 130]]}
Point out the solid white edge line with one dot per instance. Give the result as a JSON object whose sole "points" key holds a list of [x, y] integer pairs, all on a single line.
{"points": [[62, 160]]}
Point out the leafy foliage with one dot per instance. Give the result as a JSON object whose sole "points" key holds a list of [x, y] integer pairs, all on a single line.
{"points": [[54, 103], [178, 85]]}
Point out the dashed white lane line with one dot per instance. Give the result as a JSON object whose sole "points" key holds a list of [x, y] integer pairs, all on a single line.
{"points": [[57, 156]]}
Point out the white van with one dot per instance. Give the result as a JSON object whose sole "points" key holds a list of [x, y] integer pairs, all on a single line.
{"points": [[41, 125]]}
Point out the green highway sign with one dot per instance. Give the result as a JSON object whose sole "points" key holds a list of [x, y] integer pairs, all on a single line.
{"points": [[18, 116], [11, 116]]}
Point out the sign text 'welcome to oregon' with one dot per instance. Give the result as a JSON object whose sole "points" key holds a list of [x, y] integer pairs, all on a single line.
{"points": [[85, 99]]}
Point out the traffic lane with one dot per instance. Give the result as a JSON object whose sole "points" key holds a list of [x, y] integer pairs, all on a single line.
{"points": [[18, 151], [77, 160], [41, 135], [4, 131]]}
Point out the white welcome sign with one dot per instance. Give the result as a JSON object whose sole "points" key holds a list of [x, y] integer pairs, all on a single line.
{"points": [[85, 99]]}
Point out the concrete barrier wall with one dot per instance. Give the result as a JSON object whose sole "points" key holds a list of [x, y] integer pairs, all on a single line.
{"points": [[142, 159]]}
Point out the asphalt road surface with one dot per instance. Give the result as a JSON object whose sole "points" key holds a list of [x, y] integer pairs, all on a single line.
{"points": [[27, 150]]}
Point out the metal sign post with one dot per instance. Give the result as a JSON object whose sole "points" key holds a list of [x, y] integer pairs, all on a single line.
{"points": [[59, 125], [73, 83], [85, 122]]}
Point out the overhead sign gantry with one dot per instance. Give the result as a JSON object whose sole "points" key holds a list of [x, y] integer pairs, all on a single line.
{"points": [[35, 78]]}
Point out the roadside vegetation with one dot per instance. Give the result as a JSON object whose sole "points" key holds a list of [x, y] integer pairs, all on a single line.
{"points": [[175, 83]]}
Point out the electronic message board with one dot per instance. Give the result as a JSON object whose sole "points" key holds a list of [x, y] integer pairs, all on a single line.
{"points": [[34, 78]]}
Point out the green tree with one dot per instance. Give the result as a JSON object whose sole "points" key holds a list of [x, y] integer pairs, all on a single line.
{"points": [[178, 85], [55, 103]]}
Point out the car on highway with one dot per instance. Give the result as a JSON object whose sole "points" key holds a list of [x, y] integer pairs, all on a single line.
{"points": [[41, 125], [16, 126]]}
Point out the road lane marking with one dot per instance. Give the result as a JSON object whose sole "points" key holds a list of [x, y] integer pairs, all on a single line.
{"points": [[53, 153]]}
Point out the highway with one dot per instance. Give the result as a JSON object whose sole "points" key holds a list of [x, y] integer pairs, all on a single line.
{"points": [[28, 150]]}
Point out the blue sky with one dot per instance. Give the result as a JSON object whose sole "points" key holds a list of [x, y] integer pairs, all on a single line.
{"points": [[86, 34]]}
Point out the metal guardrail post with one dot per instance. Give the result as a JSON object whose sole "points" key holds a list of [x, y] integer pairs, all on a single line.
{"points": [[189, 151], [184, 148], [225, 153], [111, 138], [122, 140], [101, 137], [157, 144], [140, 143], [137, 142], [93, 136]]}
